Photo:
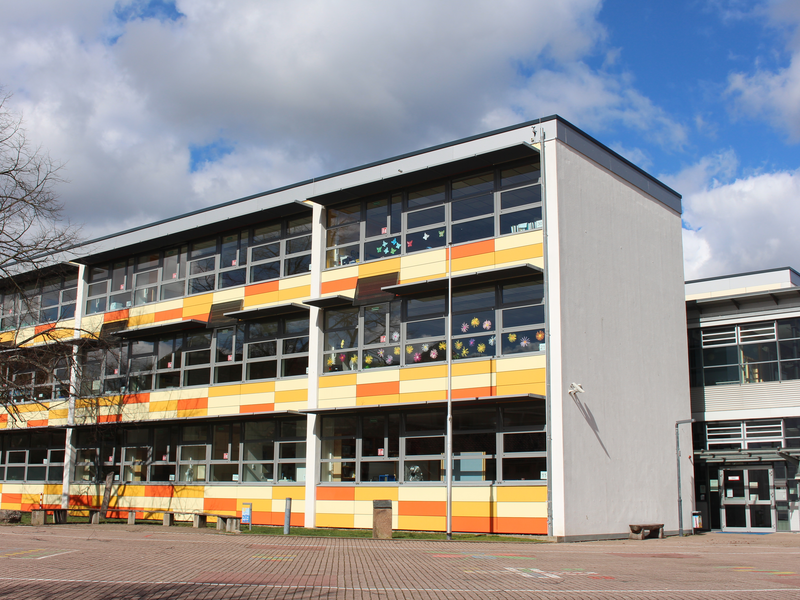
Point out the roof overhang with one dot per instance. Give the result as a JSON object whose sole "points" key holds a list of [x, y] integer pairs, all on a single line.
{"points": [[430, 173], [749, 456], [330, 302], [461, 402], [467, 279], [279, 310], [161, 329]]}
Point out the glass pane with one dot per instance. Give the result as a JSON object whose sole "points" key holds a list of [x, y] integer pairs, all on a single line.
{"points": [[433, 351], [259, 430], [204, 248], [339, 448], [518, 317], [205, 265], [521, 220], [347, 213], [232, 278], [474, 469], [424, 329], [339, 426], [524, 469], [423, 470], [426, 307], [424, 218], [265, 272], [375, 324], [473, 230], [298, 244], [297, 265], [345, 234], [726, 355], [426, 196], [475, 322], [475, 184], [425, 421], [472, 207], [425, 445], [197, 377], [293, 367], [228, 374], [172, 290], [521, 197], [377, 221], [527, 340], [292, 450], [265, 252], [721, 375], [200, 285], [524, 415], [477, 346], [759, 372], [735, 516], [337, 472], [761, 517], [261, 473], [474, 418], [379, 471], [267, 233], [789, 328], [520, 174], [224, 472], [524, 442], [262, 450], [193, 453]]}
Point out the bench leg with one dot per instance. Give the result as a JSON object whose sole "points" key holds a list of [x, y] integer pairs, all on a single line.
{"points": [[94, 517], [131, 517], [169, 519], [222, 523], [199, 521], [232, 525], [59, 516]]}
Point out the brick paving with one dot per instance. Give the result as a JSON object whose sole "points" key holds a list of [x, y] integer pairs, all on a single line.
{"points": [[145, 562]]}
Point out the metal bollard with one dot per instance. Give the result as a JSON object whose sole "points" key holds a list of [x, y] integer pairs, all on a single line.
{"points": [[287, 517]]}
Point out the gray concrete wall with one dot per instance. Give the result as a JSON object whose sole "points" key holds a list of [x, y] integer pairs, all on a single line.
{"points": [[615, 270]]}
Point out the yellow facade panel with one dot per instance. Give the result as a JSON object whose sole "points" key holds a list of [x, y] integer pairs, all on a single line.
{"points": [[163, 406], [522, 509], [290, 283], [141, 320], [345, 392], [339, 274], [365, 521], [333, 381], [473, 381], [223, 405], [421, 259], [285, 385], [536, 493], [521, 377], [519, 240], [373, 400], [538, 389], [426, 372], [379, 267], [293, 293], [228, 295], [378, 376], [422, 386], [473, 263], [298, 506], [473, 494], [234, 389], [421, 523], [521, 363], [338, 521], [375, 493], [291, 396], [336, 507], [180, 394], [526, 254], [472, 509], [261, 299], [263, 387], [473, 367], [336, 402], [430, 396], [295, 492]]}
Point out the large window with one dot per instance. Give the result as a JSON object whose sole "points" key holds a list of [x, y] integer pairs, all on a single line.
{"points": [[753, 435], [745, 353], [490, 444], [279, 249], [265, 451], [479, 206], [252, 351], [46, 301], [489, 320], [35, 376], [32, 456]]}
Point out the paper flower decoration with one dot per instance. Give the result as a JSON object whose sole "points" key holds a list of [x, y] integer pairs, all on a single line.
{"points": [[380, 352], [491, 341], [464, 327], [540, 335], [409, 349], [425, 347], [475, 322], [417, 357], [512, 337], [396, 350], [487, 325], [330, 361], [434, 354], [524, 342], [368, 359], [442, 345], [389, 359], [342, 357], [395, 336], [472, 342], [465, 352], [481, 348], [459, 345]]}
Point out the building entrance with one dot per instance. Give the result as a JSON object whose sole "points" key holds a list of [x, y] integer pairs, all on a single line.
{"points": [[747, 499]]}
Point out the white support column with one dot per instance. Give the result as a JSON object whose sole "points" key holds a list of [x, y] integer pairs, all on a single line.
{"points": [[314, 363]]}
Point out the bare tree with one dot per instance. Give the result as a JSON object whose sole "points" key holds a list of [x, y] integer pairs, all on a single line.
{"points": [[32, 232]]}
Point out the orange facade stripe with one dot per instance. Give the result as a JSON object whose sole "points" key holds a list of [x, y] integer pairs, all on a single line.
{"points": [[109, 418], [473, 249], [142, 398], [38, 423], [477, 524], [476, 392], [192, 403], [159, 491], [12, 498], [336, 493], [262, 288], [39, 329], [377, 389], [329, 287], [256, 408], [226, 505], [418, 508], [4, 418], [168, 315], [116, 315], [527, 525]]}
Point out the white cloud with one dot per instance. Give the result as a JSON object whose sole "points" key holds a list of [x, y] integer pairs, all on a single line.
{"points": [[774, 93], [296, 90], [737, 224]]}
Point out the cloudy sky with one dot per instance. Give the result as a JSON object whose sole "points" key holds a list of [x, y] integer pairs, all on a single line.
{"points": [[160, 107]]}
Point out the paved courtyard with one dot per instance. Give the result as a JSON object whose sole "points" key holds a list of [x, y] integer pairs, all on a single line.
{"points": [[83, 562]]}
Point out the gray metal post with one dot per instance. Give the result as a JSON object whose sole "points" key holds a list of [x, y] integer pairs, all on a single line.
{"points": [[678, 455], [287, 517]]}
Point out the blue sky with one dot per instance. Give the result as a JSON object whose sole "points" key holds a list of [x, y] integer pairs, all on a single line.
{"points": [[161, 107]]}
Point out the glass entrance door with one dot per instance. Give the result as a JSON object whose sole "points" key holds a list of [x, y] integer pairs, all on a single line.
{"points": [[747, 499]]}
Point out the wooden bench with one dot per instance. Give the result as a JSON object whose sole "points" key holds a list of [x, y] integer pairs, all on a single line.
{"points": [[224, 522], [39, 515], [654, 530]]}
